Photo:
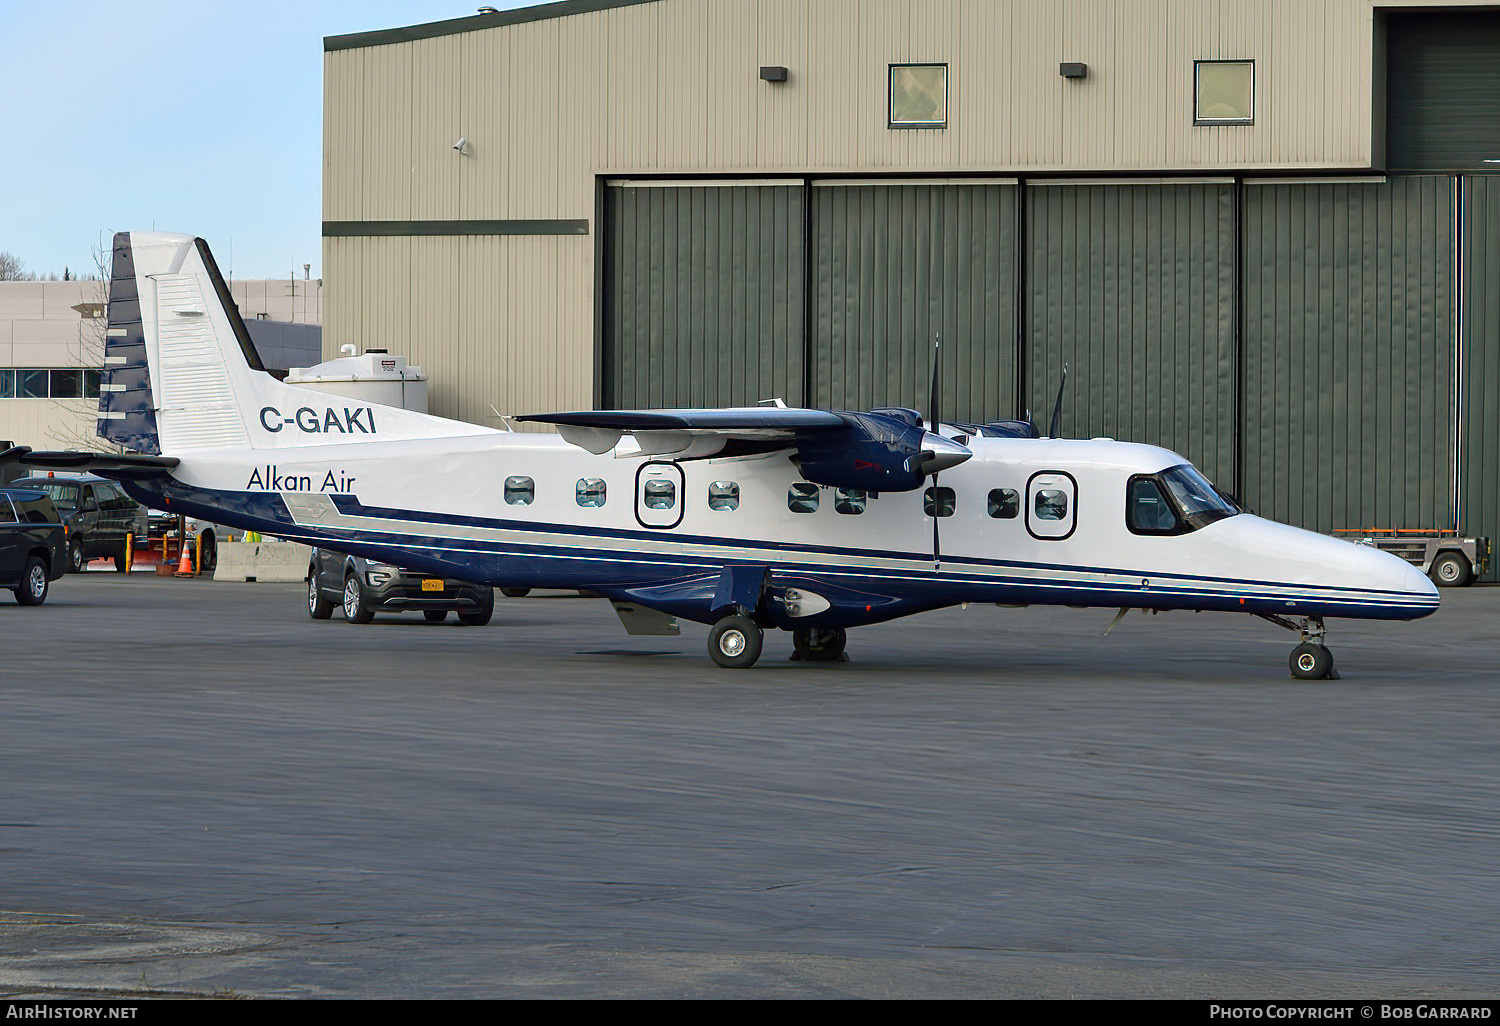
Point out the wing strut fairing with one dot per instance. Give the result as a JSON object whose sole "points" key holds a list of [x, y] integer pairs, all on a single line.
{"points": [[880, 451]]}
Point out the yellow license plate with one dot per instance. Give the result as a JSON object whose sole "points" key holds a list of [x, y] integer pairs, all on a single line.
{"points": [[431, 585]]}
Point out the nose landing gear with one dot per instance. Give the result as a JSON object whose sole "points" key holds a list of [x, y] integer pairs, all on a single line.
{"points": [[1310, 660]]}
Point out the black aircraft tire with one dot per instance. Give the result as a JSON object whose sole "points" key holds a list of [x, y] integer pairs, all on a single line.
{"points": [[515, 592], [355, 608], [820, 646], [1451, 570], [32, 591], [434, 615], [1311, 662], [735, 642], [481, 616]]}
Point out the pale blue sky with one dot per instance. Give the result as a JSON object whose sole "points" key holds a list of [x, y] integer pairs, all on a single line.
{"points": [[196, 116]]}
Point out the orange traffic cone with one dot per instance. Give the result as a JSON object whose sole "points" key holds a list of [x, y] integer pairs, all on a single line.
{"points": [[185, 564]]}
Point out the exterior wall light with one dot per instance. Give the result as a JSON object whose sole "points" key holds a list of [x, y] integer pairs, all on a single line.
{"points": [[1073, 70], [773, 73]]}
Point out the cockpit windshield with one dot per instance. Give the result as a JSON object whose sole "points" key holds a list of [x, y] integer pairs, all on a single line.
{"points": [[1176, 501]]}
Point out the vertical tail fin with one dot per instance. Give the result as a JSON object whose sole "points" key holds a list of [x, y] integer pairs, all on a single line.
{"points": [[181, 373]]}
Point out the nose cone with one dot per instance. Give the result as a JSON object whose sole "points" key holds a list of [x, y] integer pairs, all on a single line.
{"points": [[1390, 573], [940, 454]]}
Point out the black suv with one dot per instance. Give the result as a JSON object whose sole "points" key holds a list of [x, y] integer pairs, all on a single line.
{"points": [[365, 588], [33, 544], [98, 514]]}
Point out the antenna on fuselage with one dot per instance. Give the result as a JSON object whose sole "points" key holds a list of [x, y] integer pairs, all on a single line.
{"points": [[1057, 407]]}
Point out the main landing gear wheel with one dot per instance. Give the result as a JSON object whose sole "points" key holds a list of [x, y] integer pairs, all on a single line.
{"points": [[318, 607], [816, 645], [735, 642], [480, 616], [434, 615], [1312, 662]]}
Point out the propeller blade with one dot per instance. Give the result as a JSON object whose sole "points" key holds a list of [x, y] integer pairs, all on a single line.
{"points": [[930, 456], [1057, 407]]}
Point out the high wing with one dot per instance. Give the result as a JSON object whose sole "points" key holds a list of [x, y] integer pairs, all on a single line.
{"points": [[103, 464], [886, 450], [662, 432]]}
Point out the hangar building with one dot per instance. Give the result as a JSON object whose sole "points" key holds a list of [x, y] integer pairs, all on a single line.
{"points": [[1264, 233]]}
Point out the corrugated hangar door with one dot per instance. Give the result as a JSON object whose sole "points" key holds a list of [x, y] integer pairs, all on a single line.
{"points": [[1133, 287], [704, 294], [1479, 511], [895, 265], [1349, 353]]}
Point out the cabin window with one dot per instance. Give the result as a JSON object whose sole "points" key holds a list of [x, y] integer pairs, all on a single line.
{"points": [[1051, 504], [1004, 503], [849, 500], [7, 512], [802, 498], [659, 495], [590, 492], [939, 502], [1147, 510], [724, 496], [520, 491]]}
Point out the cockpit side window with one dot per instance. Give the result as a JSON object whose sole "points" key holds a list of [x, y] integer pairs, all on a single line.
{"points": [[1147, 510], [1176, 501]]}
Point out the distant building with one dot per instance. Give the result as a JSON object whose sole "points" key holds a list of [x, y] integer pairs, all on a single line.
{"points": [[52, 347]]}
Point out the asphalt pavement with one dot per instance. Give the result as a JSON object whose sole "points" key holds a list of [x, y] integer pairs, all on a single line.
{"points": [[204, 792]]}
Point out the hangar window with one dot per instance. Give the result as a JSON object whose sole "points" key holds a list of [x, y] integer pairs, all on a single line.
{"points": [[520, 491], [1223, 92], [723, 496], [938, 502], [919, 96], [850, 501], [1005, 503], [802, 498], [590, 492]]}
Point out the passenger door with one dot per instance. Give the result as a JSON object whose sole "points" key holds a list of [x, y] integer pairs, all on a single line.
{"points": [[659, 495], [1050, 500]]}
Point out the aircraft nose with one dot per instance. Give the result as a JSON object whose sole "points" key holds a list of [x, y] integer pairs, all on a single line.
{"points": [[940, 454], [1395, 574]]}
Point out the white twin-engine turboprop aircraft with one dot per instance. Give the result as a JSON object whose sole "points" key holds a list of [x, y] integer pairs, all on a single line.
{"points": [[743, 519]]}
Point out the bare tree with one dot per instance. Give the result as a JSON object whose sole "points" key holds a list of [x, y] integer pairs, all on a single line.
{"points": [[11, 268]]}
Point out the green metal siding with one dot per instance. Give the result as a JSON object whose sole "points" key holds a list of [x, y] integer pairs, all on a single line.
{"points": [[704, 295], [1132, 286], [896, 265], [1443, 90], [1349, 353], [1480, 478]]}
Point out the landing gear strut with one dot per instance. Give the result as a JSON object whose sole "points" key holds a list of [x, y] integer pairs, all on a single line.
{"points": [[1310, 660], [819, 646]]}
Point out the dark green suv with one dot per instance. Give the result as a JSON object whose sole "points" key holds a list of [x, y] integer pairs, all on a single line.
{"points": [[98, 514], [33, 544]]}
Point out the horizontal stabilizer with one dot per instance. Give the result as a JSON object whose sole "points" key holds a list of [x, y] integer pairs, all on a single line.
{"points": [[105, 463]]}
